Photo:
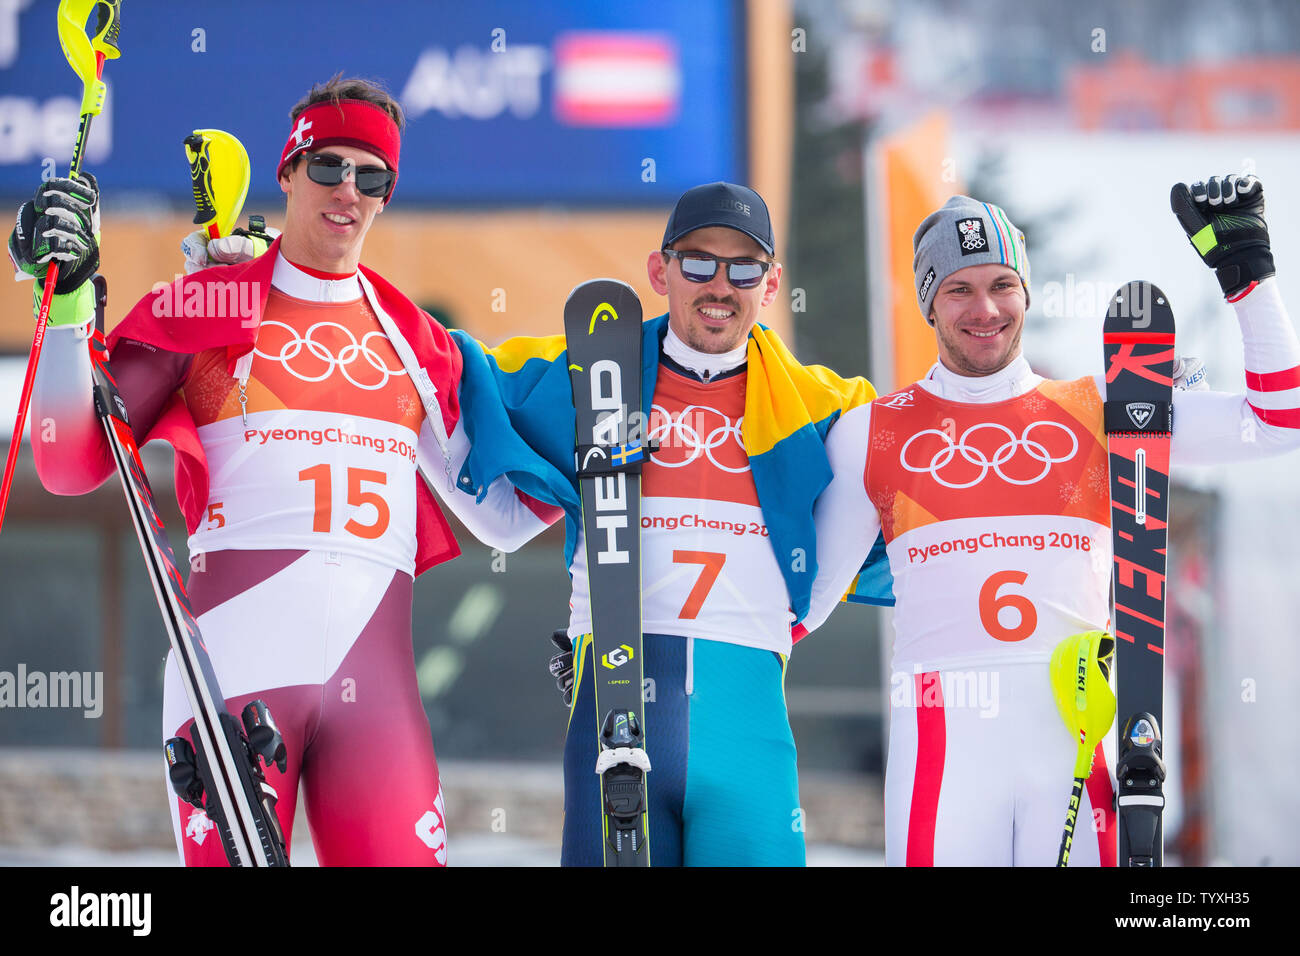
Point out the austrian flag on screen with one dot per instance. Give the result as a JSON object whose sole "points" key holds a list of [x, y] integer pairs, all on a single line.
{"points": [[616, 78]]}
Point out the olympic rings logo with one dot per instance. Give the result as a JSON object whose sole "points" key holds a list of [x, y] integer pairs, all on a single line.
{"points": [[1005, 452], [675, 432], [347, 355]]}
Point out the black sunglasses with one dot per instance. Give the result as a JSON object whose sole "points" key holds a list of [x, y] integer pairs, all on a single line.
{"points": [[743, 273], [326, 169]]}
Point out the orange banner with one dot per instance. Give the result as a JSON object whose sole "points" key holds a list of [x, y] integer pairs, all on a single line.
{"points": [[914, 175]]}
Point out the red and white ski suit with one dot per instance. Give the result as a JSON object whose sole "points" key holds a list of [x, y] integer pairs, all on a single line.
{"points": [[993, 497], [296, 471]]}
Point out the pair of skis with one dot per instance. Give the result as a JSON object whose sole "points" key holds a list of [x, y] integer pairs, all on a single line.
{"points": [[1138, 349], [602, 327], [1138, 356], [219, 769], [219, 772]]}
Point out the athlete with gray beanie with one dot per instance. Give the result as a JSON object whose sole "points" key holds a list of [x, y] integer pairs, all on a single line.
{"points": [[991, 488], [965, 232]]}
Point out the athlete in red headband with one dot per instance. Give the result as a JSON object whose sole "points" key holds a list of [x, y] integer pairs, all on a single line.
{"points": [[300, 409]]}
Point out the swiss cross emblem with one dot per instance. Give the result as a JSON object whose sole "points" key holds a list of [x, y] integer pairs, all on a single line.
{"points": [[299, 142]]}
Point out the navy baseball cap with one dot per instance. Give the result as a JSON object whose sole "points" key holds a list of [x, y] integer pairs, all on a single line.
{"points": [[721, 204]]}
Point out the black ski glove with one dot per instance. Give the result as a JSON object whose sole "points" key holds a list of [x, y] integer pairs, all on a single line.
{"points": [[59, 224], [562, 665], [1224, 219]]}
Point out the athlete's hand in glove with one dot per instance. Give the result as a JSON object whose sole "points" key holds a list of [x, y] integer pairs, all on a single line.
{"points": [[60, 224], [240, 246], [1224, 219], [1189, 374], [562, 665]]}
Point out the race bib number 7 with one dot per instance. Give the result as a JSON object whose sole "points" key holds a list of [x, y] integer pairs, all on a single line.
{"points": [[712, 562]]}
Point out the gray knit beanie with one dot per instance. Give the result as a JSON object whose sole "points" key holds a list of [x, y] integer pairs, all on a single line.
{"points": [[965, 232]]}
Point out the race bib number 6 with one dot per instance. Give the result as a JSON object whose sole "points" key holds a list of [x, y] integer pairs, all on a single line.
{"points": [[991, 606]]}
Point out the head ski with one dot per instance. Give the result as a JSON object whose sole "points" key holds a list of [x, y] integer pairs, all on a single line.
{"points": [[602, 326], [1138, 346]]}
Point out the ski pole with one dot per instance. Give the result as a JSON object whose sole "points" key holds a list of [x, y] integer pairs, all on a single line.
{"points": [[86, 56], [219, 177], [1080, 675]]}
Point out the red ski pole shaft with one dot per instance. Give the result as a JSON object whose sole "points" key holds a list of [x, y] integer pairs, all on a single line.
{"points": [[86, 56]]}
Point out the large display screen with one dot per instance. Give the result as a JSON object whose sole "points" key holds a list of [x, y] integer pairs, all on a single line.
{"points": [[507, 101]]}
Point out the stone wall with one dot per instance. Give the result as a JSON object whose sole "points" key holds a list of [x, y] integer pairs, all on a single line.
{"points": [[113, 801]]}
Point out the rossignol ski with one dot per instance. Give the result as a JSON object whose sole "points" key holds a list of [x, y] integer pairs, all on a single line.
{"points": [[602, 326], [1138, 346], [218, 772]]}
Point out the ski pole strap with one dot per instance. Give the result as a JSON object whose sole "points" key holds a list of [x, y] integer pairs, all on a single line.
{"points": [[610, 459], [256, 228], [108, 25], [1147, 418]]}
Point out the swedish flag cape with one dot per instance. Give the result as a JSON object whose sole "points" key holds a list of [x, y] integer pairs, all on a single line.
{"points": [[517, 407]]}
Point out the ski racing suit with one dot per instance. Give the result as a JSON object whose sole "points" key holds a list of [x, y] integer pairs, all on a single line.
{"points": [[726, 495], [993, 497], [304, 547]]}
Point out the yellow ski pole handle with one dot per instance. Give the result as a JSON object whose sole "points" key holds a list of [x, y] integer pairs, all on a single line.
{"points": [[1079, 672], [107, 28], [86, 56], [219, 176]]}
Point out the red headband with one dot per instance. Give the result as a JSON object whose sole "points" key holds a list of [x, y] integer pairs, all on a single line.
{"points": [[345, 123]]}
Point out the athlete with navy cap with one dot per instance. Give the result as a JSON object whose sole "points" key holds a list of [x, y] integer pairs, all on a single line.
{"points": [[727, 541]]}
